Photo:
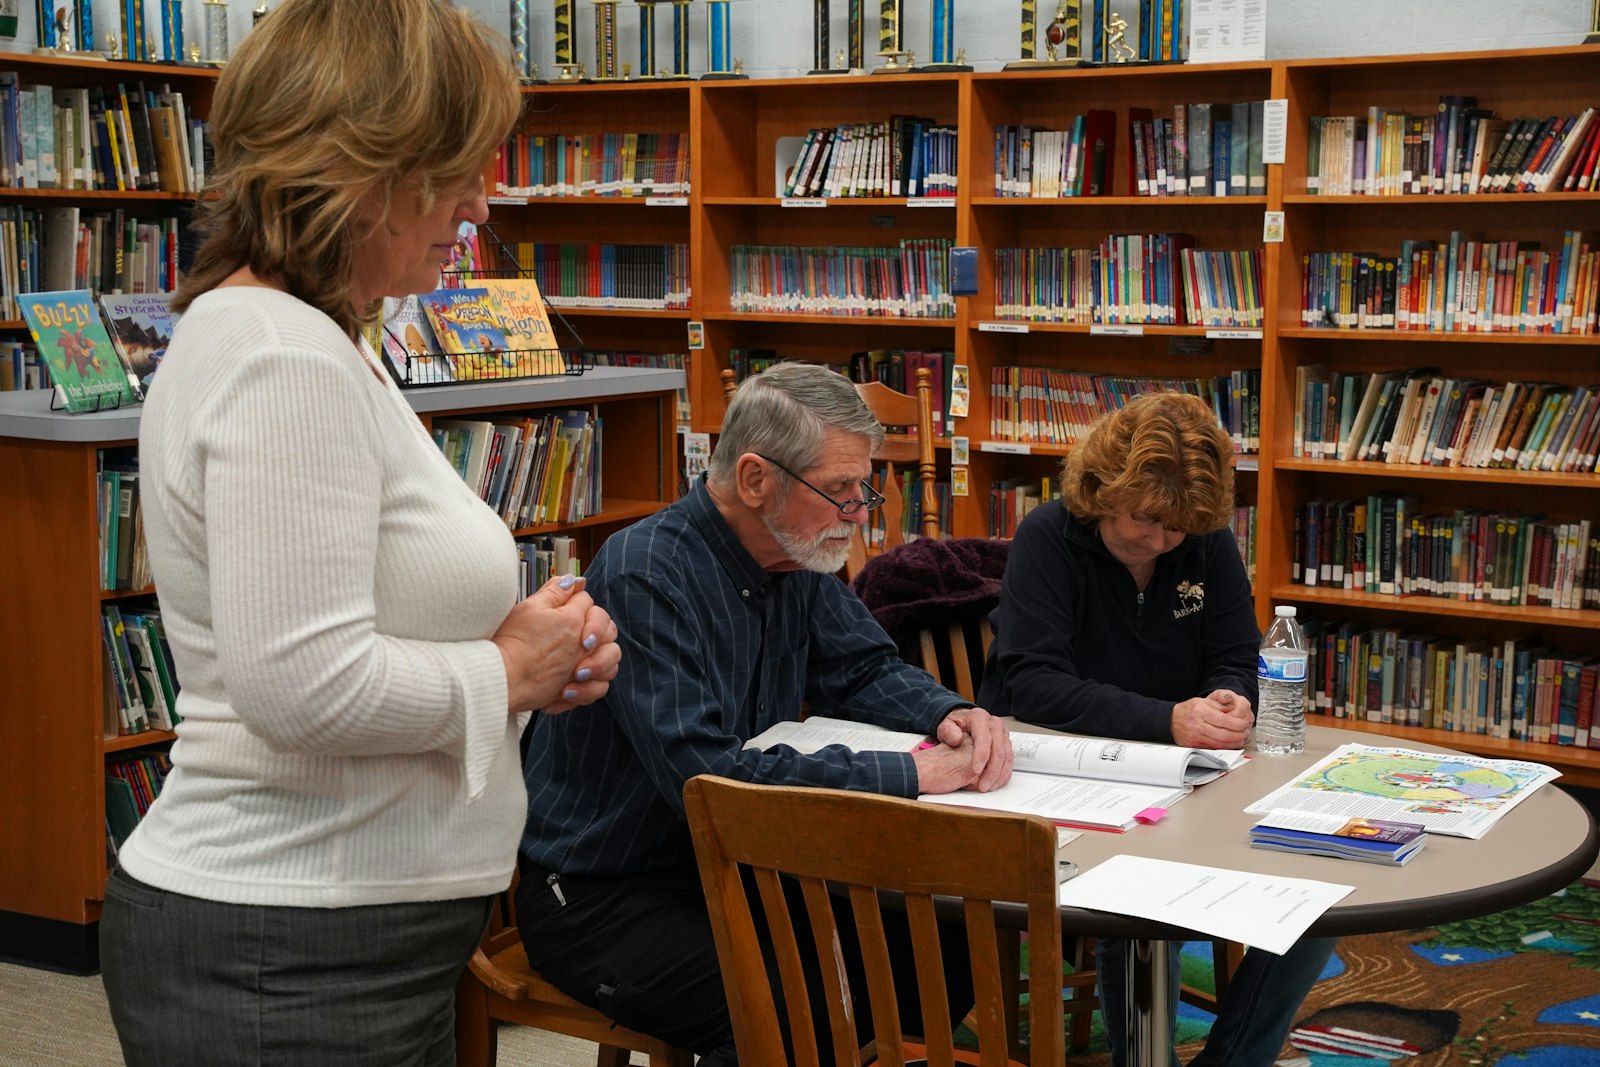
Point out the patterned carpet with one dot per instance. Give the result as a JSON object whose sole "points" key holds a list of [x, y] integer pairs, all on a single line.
{"points": [[1520, 988]]}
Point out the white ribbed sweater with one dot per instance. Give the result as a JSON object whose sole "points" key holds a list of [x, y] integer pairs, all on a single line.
{"points": [[328, 584]]}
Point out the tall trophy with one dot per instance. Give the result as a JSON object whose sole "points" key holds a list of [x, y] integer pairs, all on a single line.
{"points": [[1063, 37], [942, 48], [846, 61], [896, 60], [216, 32], [1594, 25], [680, 39], [605, 40], [172, 30], [568, 69], [647, 38], [820, 17], [522, 41], [720, 64]]}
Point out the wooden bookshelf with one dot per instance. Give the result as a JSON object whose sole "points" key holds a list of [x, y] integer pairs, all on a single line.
{"points": [[53, 851]]}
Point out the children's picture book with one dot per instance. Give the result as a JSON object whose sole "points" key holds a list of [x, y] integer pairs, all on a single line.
{"points": [[75, 346], [1339, 837], [1459, 795], [141, 327], [410, 349], [467, 325], [458, 271], [530, 339]]}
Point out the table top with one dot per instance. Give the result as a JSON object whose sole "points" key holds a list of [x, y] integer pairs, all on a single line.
{"points": [[1545, 843]]}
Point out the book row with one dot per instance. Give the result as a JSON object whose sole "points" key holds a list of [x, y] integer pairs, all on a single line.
{"points": [[1420, 416], [130, 137], [143, 689], [1462, 148], [21, 367], [124, 560], [1389, 544], [1051, 406], [660, 360], [895, 367], [1011, 499], [1155, 278], [1517, 690], [63, 247], [910, 280], [637, 277], [593, 164], [904, 156], [544, 558], [132, 785], [530, 470], [910, 489], [1464, 284]]}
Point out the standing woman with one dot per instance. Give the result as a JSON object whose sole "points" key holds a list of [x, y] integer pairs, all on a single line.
{"points": [[1125, 612], [346, 793]]}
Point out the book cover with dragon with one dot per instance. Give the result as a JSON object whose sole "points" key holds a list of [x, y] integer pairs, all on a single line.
{"points": [[141, 328], [530, 340]]}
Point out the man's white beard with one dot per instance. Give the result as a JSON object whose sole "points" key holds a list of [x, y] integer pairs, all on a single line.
{"points": [[812, 553]]}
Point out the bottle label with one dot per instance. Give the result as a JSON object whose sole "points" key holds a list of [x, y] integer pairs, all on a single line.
{"points": [[1289, 668]]}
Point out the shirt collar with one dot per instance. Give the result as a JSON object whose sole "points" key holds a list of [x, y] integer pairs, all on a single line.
{"points": [[736, 560]]}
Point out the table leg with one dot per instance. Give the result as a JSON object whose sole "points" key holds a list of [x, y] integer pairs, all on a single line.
{"points": [[1149, 1022]]}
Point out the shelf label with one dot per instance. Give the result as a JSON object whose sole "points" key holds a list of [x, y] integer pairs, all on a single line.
{"points": [[804, 201], [666, 201], [1275, 138], [930, 201], [1234, 335], [1002, 327], [1010, 448], [1251, 464], [519, 201], [1114, 329]]}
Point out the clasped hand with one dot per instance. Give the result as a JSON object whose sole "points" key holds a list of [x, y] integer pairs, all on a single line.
{"points": [[1221, 719], [973, 752], [559, 647]]}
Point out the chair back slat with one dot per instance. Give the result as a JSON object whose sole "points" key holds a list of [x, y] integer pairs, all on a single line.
{"points": [[938, 1033], [959, 661], [871, 845], [786, 951]]}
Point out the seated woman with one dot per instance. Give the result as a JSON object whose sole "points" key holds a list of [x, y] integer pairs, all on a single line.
{"points": [[1125, 612]]}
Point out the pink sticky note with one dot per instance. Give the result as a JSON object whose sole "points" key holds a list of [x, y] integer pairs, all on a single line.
{"points": [[1150, 815]]}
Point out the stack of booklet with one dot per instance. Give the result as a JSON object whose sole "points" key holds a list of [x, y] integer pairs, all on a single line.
{"points": [[1314, 834]]}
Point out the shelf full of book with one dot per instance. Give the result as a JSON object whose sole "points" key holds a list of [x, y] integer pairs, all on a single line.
{"points": [[1433, 372], [58, 697]]}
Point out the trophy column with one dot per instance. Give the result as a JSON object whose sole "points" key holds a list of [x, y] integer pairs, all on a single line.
{"points": [[821, 63], [680, 39], [720, 64], [891, 41], [647, 38], [1594, 25], [567, 66], [858, 36], [942, 48], [605, 40], [522, 42], [1063, 37]]}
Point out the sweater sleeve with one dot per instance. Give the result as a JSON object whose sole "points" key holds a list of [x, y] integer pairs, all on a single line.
{"points": [[1033, 670], [293, 473]]}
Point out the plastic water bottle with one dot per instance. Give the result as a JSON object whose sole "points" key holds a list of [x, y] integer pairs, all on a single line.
{"points": [[1281, 673]]}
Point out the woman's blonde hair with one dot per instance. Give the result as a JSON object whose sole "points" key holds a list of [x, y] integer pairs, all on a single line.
{"points": [[326, 104], [1163, 457]]}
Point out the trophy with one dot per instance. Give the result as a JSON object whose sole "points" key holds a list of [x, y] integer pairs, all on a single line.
{"points": [[896, 59], [647, 38], [942, 49], [216, 32], [1063, 37], [850, 62], [522, 41], [1594, 25], [566, 63], [1114, 31], [680, 39], [258, 13], [605, 40], [172, 31], [720, 65]]}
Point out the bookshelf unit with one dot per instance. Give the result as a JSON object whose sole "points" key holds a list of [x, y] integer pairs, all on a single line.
{"points": [[1540, 82], [53, 848]]}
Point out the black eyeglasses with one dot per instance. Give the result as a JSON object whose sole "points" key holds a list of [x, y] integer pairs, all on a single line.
{"points": [[872, 500]]}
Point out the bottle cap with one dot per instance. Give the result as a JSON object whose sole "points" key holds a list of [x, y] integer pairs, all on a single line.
{"points": [[1284, 611]]}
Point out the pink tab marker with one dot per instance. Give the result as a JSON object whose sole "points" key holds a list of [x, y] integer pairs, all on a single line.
{"points": [[1150, 815]]}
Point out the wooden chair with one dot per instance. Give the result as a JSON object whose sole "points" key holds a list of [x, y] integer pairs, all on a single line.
{"points": [[893, 408], [499, 985], [866, 843]]}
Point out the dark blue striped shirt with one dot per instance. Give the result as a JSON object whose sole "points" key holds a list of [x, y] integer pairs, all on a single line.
{"points": [[714, 650]]}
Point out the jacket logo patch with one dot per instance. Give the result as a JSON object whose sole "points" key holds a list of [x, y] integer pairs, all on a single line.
{"points": [[1191, 598]]}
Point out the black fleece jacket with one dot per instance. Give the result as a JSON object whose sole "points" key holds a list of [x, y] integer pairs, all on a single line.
{"points": [[1077, 648]]}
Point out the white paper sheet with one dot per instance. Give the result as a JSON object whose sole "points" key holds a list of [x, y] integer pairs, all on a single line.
{"points": [[1260, 910]]}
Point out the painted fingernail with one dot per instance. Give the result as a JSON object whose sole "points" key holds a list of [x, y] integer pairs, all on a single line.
{"points": [[589, 643], [569, 694], [568, 581], [584, 674]]}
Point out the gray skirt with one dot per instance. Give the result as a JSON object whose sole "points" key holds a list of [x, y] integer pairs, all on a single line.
{"points": [[195, 982]]}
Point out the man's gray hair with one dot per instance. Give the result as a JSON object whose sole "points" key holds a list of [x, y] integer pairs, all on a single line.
{"points": [[784, 414]]}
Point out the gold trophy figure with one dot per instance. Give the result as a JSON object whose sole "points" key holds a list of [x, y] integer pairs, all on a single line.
{"points": [[1063, 38], [891, 40], [1117, 48]]}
